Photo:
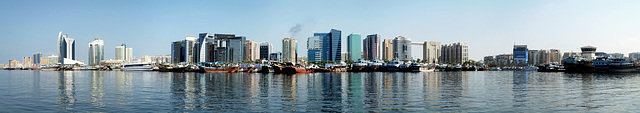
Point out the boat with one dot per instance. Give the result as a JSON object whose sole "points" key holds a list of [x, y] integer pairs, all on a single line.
{"points": [[416, 67], [374, 65], [137, 67], [291, 68], [496, 69], [216, 67], [393, 65], [358, 66], [578, 64], [457, 67], [551, 67], [265, 69], [615, 65]]}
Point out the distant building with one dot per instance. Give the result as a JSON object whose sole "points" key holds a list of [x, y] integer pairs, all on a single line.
{"points": [[37, 58], [371, 47], [204, 48], [96, 52], [520, 54], [534, 57], [251, 51], [617, 55], [53, 60], [569, 54], [387, 50], [44, 61], [183, 50], [545, 57], [14, 63], [66, 48], [27, 61], [265, 50], [489, 59], [354, 42], [456, 53], [431, 51], [124, 53], [588, 52], [601, 54], [129, 54], [314, 48], [504, 59], [289, 50], [344, 57], [634, 55], [276, 56], [402, 48], [555, 55], [229, 48], [331, 45]]}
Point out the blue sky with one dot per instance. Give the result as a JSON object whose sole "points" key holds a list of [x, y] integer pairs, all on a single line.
{"points": [[489, 26]]}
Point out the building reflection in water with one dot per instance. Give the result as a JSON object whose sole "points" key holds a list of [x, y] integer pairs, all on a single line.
{"points": [[66, 90], [520, 88], [96, 90], [124, 87]]}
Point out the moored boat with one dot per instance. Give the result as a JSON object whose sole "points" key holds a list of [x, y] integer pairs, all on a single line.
{"points": [[137, 67]]}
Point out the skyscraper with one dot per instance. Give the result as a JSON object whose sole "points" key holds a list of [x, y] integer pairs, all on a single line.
{"points": [[402, 48], [354, 42], [129, 55], [203, 49], [456, 53], [520, 54], [66, 48], [534, 57], [36, 58], [121, 52], [431, 52], [289, 49], [177, 51], [331, 45], [277, 56], [27, 61], [229, 48], [556, 55], [251, 51], [96, 52], [387, 50], [371, 47], [314, 48], [265, 50]]}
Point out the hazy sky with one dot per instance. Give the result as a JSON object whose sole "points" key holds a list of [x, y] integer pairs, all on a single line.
{"points": [[489, 26]]}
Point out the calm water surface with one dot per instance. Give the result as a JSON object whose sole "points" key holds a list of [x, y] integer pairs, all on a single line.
{"points": [[491, 91]]}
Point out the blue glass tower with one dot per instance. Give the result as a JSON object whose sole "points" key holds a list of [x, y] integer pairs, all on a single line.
{"points": [[331, 45]]}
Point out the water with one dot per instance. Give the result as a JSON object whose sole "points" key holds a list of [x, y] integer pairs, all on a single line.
{"points": [[489, 91]]}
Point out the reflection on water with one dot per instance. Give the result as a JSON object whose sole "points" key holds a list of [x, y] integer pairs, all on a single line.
{"points": [[494, 91]]}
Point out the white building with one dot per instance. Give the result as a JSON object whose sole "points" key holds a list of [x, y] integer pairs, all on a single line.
{"points": [[96, 52]]}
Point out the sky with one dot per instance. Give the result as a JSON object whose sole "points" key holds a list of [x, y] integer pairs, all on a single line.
{"points": [[490, 27]]}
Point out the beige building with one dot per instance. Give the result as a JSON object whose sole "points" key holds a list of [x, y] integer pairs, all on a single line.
{"points": [[14, 63], [555, 55], [431, 51], [44, 61], [387, 49], [251, 51], [289, 49], [27, 61], [456, 53]]}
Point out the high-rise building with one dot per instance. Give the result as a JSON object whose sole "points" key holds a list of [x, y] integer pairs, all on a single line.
{"points": [[456, 53], [634, 56], [14, 63], [545, 57], [489, 59], [275, 56], [504, 59], [331, 45], [555, 55], [371, 47], [183, 50], [27, 61], [265, 50], [44, 61], [129, 54], [354, 42], [387, 50], [121, 52], [402, 48], [569, 54], [53, 59], [431, 51], [96, 52], [251, 51], [534, 57], [66, 48], [314, 48], [36, 58], [289, 50], [520, 54], [617, 55], [229, 48], [203, 48]]}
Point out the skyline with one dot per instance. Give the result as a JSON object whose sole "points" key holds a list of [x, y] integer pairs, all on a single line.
{"points": [[489, 27]]}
